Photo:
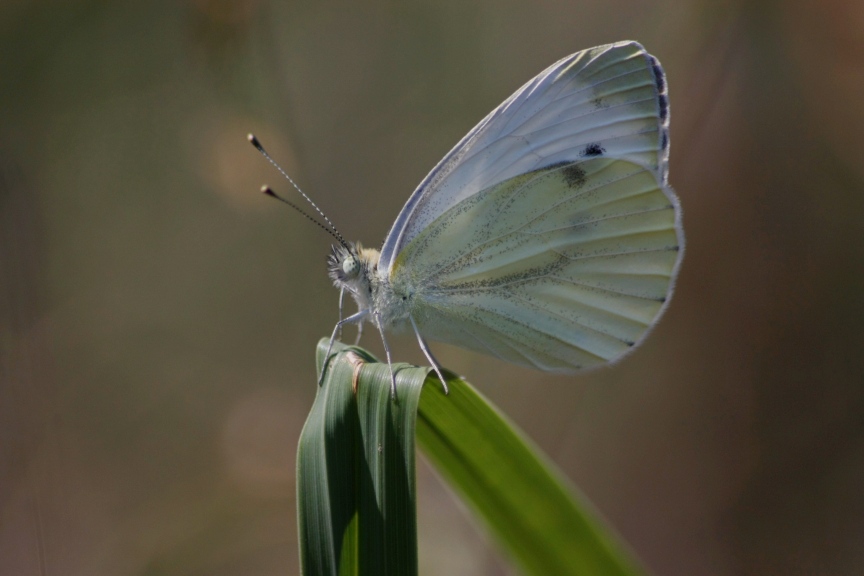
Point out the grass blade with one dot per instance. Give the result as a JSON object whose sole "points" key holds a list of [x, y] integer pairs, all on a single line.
{"points": [[356, 469], [541, 522], [356, 477]]}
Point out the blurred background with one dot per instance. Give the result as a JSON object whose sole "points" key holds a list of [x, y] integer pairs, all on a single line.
{"points": [[158, 315]]}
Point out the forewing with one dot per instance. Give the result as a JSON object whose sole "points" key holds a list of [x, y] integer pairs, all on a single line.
{"points": [[609, 100], [559, 269]]}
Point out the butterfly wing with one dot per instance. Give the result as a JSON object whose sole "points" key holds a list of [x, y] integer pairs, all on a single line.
{"points": [[559, 269], [609, 99], [548, 237]]}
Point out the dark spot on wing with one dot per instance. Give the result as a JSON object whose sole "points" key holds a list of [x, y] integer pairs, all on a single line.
{"points": [[663, 102], [599, 103], [574, 176], [659, 77], [593, 149], [664, 140]]}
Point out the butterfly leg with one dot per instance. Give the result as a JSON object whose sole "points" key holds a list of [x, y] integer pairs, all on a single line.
{"points": [[359, 333], [358, 317], [359, 324], [389, 361], [341, 299], [425, 348]]}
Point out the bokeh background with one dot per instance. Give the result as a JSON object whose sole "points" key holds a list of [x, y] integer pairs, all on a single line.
{"points": [[158, 315]]}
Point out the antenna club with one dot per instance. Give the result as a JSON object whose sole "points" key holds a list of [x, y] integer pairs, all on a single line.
{"points": [[266, 190], [332, 229]]}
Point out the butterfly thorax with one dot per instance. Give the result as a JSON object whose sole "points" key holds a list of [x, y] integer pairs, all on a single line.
{"points": [[354, 269]]}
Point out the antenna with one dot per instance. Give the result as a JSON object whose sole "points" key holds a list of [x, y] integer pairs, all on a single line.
{"points": [[332, 230], [269, 192]]}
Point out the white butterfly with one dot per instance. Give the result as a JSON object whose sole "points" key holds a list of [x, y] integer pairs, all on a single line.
{"points": [[548, 237]]}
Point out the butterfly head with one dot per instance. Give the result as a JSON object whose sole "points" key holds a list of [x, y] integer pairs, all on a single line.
{"points": [[343, 265], [350, 267]]}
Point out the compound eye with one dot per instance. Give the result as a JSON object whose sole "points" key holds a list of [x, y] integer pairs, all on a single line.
{"points": [[350, 266]]}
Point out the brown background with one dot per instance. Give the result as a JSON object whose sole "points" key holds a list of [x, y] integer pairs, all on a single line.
{"points": [[158, 316]]}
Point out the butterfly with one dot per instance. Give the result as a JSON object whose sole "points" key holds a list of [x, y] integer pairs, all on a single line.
{"points": [[547, 237]]}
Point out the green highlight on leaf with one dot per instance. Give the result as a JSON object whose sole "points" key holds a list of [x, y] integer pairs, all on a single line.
{"points": [[356, 487]]}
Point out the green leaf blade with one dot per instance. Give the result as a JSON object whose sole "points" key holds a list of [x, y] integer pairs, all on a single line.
{"points": [[540, 521], [326, 501], [356, 477], [356, 487]]}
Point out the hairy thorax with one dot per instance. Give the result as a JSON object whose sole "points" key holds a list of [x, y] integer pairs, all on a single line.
{"points": [[355, 270]]}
